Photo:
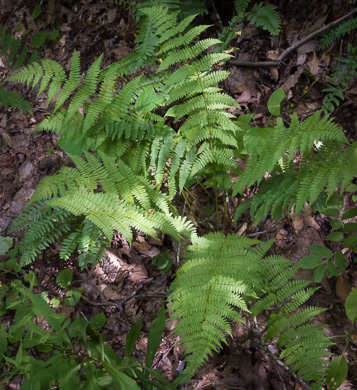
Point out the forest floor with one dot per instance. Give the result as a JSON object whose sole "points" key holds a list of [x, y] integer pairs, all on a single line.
{"points": [[127, 274]]}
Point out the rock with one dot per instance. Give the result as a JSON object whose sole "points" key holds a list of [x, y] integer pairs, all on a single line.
{"points": [[25, 170]]}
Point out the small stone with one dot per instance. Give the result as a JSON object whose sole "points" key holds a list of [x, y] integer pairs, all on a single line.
{"points": [[25, 170]]}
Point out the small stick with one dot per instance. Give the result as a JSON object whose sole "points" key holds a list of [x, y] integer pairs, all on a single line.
{"points": [[286, 52]]}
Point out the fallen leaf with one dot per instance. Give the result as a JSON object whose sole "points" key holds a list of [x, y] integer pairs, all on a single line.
{"points": [[313, 65], [343, 287]]}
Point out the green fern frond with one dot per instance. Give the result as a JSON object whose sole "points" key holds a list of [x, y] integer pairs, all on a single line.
{"points": [[223, 273], [14, 100], [265, 17], [71, 83], [89, 241], [340, 31], [241, 7], [43, 225], [298, 137], [8, 42], [188, 53], [89, 87]]}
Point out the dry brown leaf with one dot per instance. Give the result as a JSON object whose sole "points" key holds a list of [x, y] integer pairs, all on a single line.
{"points": [[6, 139], [343, 287], [141, 246], [111, 15], [111, 293], [313, 65]]}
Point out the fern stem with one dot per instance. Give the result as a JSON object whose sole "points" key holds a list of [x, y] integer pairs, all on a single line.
{"points": [[193, 213], [216, 196], [192, 196]]}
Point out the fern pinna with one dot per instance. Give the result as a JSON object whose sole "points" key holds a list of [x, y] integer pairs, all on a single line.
{"points": [[227, 278]]}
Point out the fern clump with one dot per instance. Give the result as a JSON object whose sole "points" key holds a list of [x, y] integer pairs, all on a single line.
{"points": [[290, 185], [225, 278], [71, 198], [159, 134]]}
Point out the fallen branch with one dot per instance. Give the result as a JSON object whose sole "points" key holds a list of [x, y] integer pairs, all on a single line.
{"points": [[286, 52]]}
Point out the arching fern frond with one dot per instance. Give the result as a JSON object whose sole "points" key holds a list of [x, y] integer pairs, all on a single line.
{"points": [[222, 274], [340, 31], [265, 17]]}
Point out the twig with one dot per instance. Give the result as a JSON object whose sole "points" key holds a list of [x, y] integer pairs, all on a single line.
{"points": [[286, 52]]}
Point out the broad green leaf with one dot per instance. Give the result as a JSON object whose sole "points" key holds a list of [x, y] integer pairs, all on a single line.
{"points": [[98, 321], [91, 381], [349, 213], [351, 188], [131, 338], [335, 237], [275, 100], [42, 309], [73, 297], [350, 227], [335, 224], [310, 262], [64, 278], [155, 335], [3, 290], [120, 378], [331, 212], [319, 273], [340, 261], [78, 328], [351, 305], [22, 322], [336, 373], [320, 250], [5, 244], [3, 343], [38, 40], [350, 242], [36, 12], [163, 261], [19, 355], [331, 269]]}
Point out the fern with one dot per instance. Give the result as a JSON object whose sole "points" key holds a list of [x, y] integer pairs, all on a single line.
{"points": [[223, 274], [241, 7], [173, 127], [295, 185], [14, 100], [340, 77], [265, 17], [340, 31], [17, 51], [12, 46], [123, 204]]}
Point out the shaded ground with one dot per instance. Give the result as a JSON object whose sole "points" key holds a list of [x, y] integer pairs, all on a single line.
{"points": [[127, 275]]}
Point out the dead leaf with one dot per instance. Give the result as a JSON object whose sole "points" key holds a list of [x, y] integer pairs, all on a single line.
{"points": [[111, 293], [111, 15], [292, 80], [313, 65], [343, 287], [6, 139]]}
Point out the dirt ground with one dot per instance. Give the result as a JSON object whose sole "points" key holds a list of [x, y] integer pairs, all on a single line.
{"points": [[127, 275]]}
